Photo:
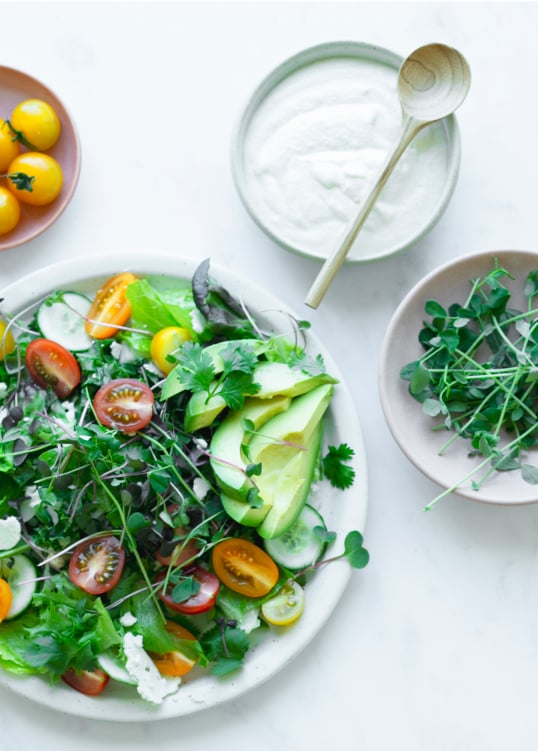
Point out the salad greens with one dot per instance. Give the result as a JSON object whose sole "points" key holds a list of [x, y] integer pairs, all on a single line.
{"points": [[478, 377], [71, 482]]}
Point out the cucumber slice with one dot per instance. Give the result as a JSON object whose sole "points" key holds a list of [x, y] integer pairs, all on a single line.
{"points": [[300, 546], [63, 321], [20, 573], [114, 668]]}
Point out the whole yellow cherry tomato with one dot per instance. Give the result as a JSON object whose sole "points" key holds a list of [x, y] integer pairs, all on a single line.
{"points": [[37, 122], [7, 342], [9, 148], [47, 174], [10, 211], [164, 343]]}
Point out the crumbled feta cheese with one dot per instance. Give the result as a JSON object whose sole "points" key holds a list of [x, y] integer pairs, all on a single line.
{"points": [[151, 368], [128, 619], [69, 410], [201, 443], [150, 683], [122, 352], [200, 488], [30, 503], [10, 532]]}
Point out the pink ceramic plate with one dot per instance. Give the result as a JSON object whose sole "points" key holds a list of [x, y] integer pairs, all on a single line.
{"points": [[16, 86], [411, 428]]}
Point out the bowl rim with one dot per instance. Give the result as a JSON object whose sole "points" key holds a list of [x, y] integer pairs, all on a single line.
{"points": [[307, 56]]}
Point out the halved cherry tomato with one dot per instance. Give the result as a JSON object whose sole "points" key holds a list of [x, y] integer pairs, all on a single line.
{"points": [[52, 366], [184, 552], [89, 682], [203, 600], [174, 664], [6, 598], [96, 565], [111, 308], [124, 404], [286, 607], [164, 343], [244, 567]]}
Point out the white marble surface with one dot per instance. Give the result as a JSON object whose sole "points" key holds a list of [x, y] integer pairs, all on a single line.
{"points": [[435, 645]]}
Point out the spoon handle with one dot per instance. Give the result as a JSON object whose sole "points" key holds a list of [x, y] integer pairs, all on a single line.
{"points": [[409, 128]]}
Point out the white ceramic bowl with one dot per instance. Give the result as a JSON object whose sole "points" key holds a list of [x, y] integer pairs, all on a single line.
{"points": [[410, 426], [274, 652], [270, 180]]}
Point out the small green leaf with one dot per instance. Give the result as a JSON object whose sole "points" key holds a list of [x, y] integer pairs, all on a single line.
{"points": [[356, 554], [435, 309], [136, 522], [530, 474], [419, 380]]}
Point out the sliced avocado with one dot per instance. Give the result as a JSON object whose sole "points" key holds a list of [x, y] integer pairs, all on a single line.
{"points": [[288, 448], [227, 460], [173, 384], [274, 379], [242, 512], [292, 489]]}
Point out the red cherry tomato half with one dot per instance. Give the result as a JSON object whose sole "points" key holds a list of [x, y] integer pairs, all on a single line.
{"points": [[96, 565], [124, 404], [184, 552], [52, 366], [203, 600], [89, 682]]}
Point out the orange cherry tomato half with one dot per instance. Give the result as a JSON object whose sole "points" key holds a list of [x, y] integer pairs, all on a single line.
{"points": [[6, 598], [52, 366], [124, 404], [203, 600], [89, 682], [111, 308], [175, 664], [96, 565], [244, 567]]}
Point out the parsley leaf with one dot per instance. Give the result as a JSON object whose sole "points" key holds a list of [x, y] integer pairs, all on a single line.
{"points": [[339, 474]]}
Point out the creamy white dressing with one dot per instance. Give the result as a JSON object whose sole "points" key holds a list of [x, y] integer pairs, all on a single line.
{"points": [[314, 147]]}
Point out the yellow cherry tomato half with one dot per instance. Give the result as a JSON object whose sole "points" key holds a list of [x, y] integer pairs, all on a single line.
{"points": [[6, 598], [7, 342], [244, 567], [175, 664], [165, 343], [47, 174], [286, 607], [38, 123], [10, 211], [110, 308], [9, 148]]}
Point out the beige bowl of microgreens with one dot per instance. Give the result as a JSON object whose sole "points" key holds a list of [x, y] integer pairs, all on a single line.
{"points": [[466, 416]]}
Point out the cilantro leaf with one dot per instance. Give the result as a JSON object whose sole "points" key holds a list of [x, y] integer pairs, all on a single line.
{"points": [[195, 369], [339, 474]]}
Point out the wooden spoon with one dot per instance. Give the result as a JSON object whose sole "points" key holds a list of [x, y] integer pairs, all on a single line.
{"points": [[432, 83]]}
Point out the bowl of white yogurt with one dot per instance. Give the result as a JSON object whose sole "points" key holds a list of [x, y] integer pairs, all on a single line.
{"points": [[311, 140]]}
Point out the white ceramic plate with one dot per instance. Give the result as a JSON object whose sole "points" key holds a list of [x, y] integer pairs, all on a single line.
{"points": [[277, 650], [281, 207], [411, 428]]}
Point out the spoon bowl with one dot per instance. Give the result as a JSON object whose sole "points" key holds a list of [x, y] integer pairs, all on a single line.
{"points": [[433, 82]]}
